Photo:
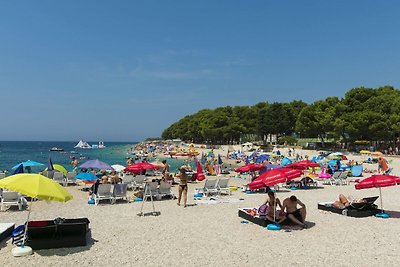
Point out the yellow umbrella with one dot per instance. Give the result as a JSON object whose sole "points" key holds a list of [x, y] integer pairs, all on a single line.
{"points": [[376, 153], [365, 151], [59, 168], [34, 186]]}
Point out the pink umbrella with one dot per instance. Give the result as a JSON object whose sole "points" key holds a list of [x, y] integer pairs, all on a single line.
{"points": [[378, 181]]}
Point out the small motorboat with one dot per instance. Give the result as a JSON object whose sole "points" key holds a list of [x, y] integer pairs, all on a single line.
{"points": [[56, 149]]}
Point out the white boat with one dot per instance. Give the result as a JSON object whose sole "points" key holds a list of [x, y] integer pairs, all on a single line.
{"points": [[82, 144], [56, 149], [100, 145]]}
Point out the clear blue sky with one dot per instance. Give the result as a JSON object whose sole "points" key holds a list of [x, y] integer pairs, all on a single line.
{"points": [[126, 70]]}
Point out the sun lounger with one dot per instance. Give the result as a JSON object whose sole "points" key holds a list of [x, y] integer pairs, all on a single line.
{"points": [[2, 175], [250, 215], [119, 192], [165, 190], [335, 178], [138, 181], [6, 230], [48, 174], [10, 198], [222, 186], [357, 210], [128, 179], [103, 193], [59, 178], [70, 179], [210, 187]]}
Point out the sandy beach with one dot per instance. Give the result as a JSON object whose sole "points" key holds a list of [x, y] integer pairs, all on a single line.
{"points": [[212, 234]]}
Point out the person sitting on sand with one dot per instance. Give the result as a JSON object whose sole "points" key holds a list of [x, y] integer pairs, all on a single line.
{"points": [[268, 209], [183, 187], [298, 216], [344, 202]]}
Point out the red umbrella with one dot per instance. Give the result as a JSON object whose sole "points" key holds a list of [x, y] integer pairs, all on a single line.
{"points": [[304, 164], [378, 181], [140, 167], [199, 174], [274, 176], [252, 167]]}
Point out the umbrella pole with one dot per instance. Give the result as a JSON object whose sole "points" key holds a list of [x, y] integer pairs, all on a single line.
{"points": [[27, 221], [380, 193]]}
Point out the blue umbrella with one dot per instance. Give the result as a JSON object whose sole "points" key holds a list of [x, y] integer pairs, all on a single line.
{"points": [[29, 163], [50, 165], [96, 164], [262, 158], [86, 176], [219, 159], [19, 169]]}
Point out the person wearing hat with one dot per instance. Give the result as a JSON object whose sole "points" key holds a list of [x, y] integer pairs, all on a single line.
{"points": [[183, 187]]}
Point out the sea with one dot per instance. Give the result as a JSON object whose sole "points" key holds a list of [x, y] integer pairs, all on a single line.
{"points": [[15, 152]]}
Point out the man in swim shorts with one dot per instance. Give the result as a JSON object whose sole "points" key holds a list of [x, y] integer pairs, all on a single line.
{"points": [[298, 216]]}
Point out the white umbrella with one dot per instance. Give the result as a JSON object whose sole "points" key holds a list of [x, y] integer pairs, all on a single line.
{"points": [[118, 168]]}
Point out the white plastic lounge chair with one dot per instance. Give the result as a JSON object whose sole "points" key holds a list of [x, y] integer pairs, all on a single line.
{"points": [[59, 178], [165, 190], [48, 174], [2, 175], [119, 192], [10, 198], [210, 187], [71, 178], [138, 181], [103, 193], [222, 186], [154, 190], [128, 179]]}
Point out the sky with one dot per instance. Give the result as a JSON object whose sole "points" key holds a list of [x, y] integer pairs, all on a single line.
{"points": [[126, 70]]}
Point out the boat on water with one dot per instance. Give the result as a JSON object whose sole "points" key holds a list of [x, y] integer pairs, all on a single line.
{"points": [[56, 149], [100, 145], [83, 144]]}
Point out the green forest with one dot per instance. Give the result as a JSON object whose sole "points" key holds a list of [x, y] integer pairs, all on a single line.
{"points": [[370, 114]]}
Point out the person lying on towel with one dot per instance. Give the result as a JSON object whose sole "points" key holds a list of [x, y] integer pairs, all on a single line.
{"points": [[344, 202]]}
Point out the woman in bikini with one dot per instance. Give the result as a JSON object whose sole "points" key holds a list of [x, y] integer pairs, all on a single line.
{"points": [[270, 212], [183, 187]]}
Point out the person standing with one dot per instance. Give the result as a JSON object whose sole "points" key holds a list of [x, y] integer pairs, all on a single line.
{"points": [[74, 163], [183, 187], [165, 171]]}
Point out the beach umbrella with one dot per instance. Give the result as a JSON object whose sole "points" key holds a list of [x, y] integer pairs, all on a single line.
{"points": [[365, 152], [286, 161], [19, 169], [251, 167], [378, 181], [262, 158], [302, 165], [34, 186], [50, 166], [140, 167], [219, 159], [199, 172], [59, 168], [274, 177], [86, 177], [376, 153], [118, 168], [29, 163], [96, 164]]}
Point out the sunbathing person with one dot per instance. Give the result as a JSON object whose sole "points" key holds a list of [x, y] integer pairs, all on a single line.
{"points": [[114, 178], [298, 216], [344, 202]]}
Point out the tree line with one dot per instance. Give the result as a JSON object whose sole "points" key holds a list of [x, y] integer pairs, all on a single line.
{"points": [[371, 114]]}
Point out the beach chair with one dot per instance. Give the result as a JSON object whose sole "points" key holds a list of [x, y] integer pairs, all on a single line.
{"points": [[222, 186], [165, 190], [48, 174], [138, 181], [119, 192], [71, 178], [342, 180], [152, 187], [103, 193], [334, 180], [2, 175], [128, 179], [11, 198], [59, 178], [209, 187]]}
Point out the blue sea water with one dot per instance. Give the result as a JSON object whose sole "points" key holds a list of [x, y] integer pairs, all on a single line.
{"points": [[14, 152]]}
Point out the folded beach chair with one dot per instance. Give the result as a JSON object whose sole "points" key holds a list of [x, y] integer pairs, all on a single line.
{"points": [[103, 193], [59, 178], [119, 192], [343, 178], [165, 190], [10, 198], [335, 178], [210, 187], [71, 178], [222, 186]]}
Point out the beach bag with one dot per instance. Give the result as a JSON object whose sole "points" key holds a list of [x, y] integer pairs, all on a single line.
{"points": [[263, 210], [18, 235]]}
